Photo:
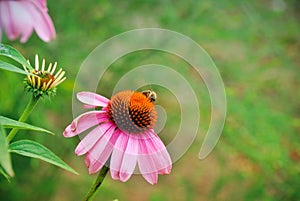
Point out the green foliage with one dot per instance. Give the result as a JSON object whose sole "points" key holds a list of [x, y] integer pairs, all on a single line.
{"points": [[22, 147], [38, 92], [10, 123], [25, 147], [12, 68], [35, 150], [10, 52], [5, 161], [4, 173]]}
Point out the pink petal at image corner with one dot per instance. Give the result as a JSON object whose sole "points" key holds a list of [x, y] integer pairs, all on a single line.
{"points": [[20, 18]]}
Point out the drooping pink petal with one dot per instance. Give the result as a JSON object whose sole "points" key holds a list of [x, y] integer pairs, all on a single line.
{"points": [[23, 23], [92, 99], [83, 122], [87, 160], [157, 150], [129, 159], [91, 138], [7, 19], [99, 154], [146, 163], [26, 35], [43, 24], [43, 4], [117, 155], [19, 18]]}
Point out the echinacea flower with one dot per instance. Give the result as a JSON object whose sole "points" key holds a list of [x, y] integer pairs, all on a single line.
{"points": [[43, 81], [122, 134], [19, 19]]}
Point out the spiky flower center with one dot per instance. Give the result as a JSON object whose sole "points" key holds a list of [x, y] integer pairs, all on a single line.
{"points": [[45, 76], [132, 112], [43, 79]]}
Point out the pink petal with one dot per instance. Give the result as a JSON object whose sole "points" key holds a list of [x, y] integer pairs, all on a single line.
{"points": [[83, 122], [7, 20], [91, 138], [43, 4], [146, 164], [86, 106], [129, 159], [87, 160], [159, 154], [123, 158], [101, 151], [43, 24], [0, 26], [92, 99], [23, 23], [19, 18], [117, 155]]}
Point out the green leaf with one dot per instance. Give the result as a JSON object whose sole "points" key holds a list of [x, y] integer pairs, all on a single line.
{"points": [[12, 53], [12, 68], [5, 159], [2, 171], [35, 150], [10, 123]]}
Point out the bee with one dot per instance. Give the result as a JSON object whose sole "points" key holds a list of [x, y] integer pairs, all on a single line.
{"points": [[151, 95]]}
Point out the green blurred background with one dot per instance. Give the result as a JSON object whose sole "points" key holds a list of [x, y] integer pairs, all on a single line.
{"points": [[255, 45]]}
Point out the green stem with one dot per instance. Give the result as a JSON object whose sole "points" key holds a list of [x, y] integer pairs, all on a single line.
{"points": [[92, 192], [33, 101]]}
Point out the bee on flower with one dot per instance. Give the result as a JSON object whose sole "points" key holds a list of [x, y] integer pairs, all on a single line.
{"points": [[122, 135]]}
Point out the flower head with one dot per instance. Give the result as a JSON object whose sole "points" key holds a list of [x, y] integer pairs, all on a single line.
{"points": [[43, 81], [20, 18], [123, 131]]}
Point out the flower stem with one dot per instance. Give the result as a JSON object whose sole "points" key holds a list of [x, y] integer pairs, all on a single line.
{"points": [[92, 192], [31, 104]]}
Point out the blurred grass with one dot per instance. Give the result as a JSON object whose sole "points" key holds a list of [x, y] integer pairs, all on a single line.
{"points": [[256, 49]]}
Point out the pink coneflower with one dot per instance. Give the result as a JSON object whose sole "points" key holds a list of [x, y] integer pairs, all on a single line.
{"points": [[20, 18], [123, 132]]}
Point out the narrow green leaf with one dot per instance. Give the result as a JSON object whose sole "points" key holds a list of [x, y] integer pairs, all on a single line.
{"points": [[12, 53], [10, 123], [2, 171], [5, 159], [12, 68], [35, 150]]}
